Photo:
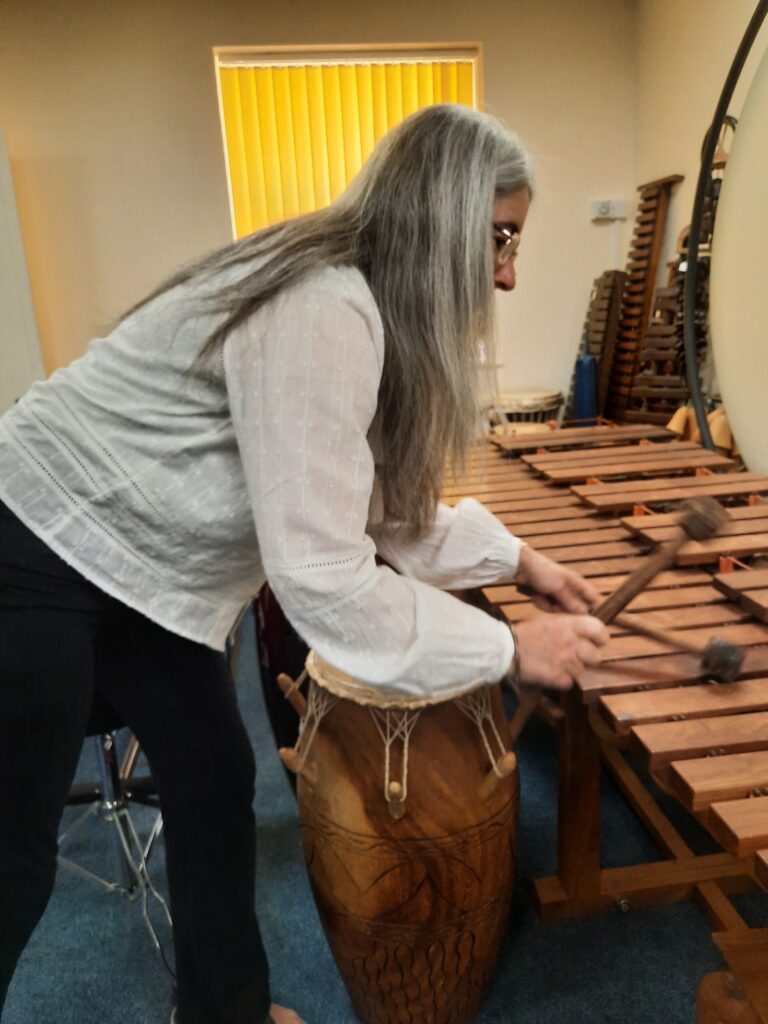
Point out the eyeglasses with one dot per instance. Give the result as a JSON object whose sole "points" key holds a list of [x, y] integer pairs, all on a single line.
{"points": [[506, 244]]}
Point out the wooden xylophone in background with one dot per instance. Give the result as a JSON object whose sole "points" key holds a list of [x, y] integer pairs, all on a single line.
{"points": [[597, 499]]}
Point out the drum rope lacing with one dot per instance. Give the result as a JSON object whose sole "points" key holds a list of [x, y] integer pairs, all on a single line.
{"points": [[477, 707], [393, 724], [296, 685], [319, 703]]}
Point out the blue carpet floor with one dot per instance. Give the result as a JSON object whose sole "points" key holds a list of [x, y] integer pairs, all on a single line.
{"points": [[91, 959]]}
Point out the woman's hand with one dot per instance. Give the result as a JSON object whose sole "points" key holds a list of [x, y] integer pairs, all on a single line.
{"points": [[552, 650], [553, 587]]}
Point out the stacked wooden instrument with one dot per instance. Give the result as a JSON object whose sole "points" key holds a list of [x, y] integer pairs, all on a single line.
{"points": [[658, 388], [640, 280], [598, 499], [600, 329]]}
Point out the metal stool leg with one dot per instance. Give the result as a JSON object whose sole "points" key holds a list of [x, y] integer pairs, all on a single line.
{"points": [[108, 802], [114, 810]]}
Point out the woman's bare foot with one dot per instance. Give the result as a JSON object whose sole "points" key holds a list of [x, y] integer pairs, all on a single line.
{"points": [[282, 1015]]}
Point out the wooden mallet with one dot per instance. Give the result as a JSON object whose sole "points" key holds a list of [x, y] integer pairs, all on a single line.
{"points": [[700, 518], [720, 659]]}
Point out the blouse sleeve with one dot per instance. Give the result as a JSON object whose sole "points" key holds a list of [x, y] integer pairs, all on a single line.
{"points": [[303, 377], [467, 546]]}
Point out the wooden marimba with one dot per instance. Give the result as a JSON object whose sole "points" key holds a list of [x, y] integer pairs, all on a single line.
{"points": [[597, 499]]}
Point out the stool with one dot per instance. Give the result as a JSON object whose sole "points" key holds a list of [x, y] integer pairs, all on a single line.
{"points": [[107, 799]]}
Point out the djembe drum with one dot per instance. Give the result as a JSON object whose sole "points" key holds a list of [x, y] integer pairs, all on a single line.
{"points": [[409, 820]]}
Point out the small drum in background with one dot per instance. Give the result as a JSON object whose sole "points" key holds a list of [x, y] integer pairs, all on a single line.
{"points": [[530, 405], [409, 821]]}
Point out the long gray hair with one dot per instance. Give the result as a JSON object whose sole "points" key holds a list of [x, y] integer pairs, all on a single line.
{"points": [[417, 222]]}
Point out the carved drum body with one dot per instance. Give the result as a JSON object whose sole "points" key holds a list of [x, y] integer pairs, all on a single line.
{"points": [[409, 841]]}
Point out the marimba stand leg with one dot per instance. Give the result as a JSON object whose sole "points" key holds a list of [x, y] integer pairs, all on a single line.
{"points": [[739, 996], [581, 886], [578, 840], [721, 1000]]}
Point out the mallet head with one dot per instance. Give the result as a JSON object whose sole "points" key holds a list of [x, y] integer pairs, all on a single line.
{"points": [[721, 660], [702, 517]]}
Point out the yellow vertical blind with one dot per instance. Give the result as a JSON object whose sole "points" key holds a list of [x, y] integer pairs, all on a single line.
{"points": [[295, 134]]}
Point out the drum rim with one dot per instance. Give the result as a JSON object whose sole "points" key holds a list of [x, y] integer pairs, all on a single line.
{"points": [[530, 399], [340, 684]]}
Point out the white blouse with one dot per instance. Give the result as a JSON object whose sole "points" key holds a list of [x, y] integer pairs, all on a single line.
{"points": [[179, 490]]}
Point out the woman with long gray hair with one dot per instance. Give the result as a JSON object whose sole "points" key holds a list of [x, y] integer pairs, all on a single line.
{"points": [[283, 411]]}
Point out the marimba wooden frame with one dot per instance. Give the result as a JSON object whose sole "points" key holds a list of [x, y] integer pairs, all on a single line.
{"points": [[586, 741], [581, 885]]}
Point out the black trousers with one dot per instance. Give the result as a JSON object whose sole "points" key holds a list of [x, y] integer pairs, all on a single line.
{"points": [[64, 642]]}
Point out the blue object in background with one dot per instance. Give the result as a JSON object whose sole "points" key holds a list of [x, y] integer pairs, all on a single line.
{"points": [[585, 409]]}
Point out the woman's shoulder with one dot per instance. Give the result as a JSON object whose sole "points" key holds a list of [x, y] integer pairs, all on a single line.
{"points": [[342, 284], [330, 294], [326, 301]]}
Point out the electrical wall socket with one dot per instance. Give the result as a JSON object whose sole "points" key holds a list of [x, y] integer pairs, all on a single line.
{"points": [[609, 209]]}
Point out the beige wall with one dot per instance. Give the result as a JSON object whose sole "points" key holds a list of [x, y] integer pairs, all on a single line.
{"points": [[563, 74], [20, 362], [112, 125], [684, 51]]}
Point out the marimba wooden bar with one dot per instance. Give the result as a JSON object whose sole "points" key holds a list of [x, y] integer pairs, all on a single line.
{"points": [[705, 743], [616, 497], [581, 436], [748, 589], [576, 471]]}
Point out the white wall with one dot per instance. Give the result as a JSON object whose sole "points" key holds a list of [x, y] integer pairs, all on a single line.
{"points": [[572, 74], [684, 51], [738, 296], [112, 124]]}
